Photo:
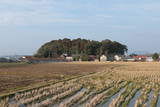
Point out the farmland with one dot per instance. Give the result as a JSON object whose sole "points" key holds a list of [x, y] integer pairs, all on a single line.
{"points": [[116, 84]]}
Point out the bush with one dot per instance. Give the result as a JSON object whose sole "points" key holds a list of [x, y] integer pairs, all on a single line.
{"points": [[76, 58], [84, 58]]}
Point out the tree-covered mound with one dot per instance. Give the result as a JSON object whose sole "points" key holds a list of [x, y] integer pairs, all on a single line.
{"points": [[79, 46]]}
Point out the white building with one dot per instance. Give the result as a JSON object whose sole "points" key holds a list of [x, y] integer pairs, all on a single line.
{"points": [[128, 59], [69, 58], [103, 58], [117, 58], [149, 59]]}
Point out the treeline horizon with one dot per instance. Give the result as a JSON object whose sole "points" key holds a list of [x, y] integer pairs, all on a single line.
{"points": [[56, 48]]}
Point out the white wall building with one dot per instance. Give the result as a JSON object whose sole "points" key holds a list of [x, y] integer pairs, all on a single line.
{"points": [[103, 58], [117, 58], [69, 58], [149, 59]]}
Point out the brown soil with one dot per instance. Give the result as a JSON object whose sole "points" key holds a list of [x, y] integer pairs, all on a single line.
{"points": [[14, 78]]}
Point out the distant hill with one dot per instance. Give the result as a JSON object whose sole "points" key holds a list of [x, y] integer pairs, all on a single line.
{"points": [[79, 46]]}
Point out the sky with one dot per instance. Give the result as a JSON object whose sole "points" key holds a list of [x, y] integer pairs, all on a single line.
{"points": [[25, 25]]}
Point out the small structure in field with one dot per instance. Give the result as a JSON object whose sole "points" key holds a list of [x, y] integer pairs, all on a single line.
{"points": [[103, 58]]}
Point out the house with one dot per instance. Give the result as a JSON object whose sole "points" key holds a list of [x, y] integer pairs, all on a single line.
{"points": [[118, 57], [128, 59], [103, 58], [69, 58], [140, 58], [25, 58], [149, 59], [92, 58], [64, 56]]}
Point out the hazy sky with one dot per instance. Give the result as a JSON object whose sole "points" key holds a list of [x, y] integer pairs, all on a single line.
{"points": [[26, 24]]}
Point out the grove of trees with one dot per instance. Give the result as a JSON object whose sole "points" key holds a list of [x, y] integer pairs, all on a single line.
{"points": [[79, 46], [155, 56]]}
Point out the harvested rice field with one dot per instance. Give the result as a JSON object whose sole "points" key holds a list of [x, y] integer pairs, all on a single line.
{"points": [[116, 84]]}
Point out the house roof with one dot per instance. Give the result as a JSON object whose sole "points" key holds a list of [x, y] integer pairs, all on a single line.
{"points": [[140, 56]]}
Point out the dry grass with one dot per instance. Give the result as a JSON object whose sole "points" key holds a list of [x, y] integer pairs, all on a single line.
{"points": [[109, 79], [15, 78], [146, 71]]}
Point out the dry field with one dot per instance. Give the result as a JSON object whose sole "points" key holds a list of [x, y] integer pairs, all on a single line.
{"points": [[96, 85], [18, 76]]}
